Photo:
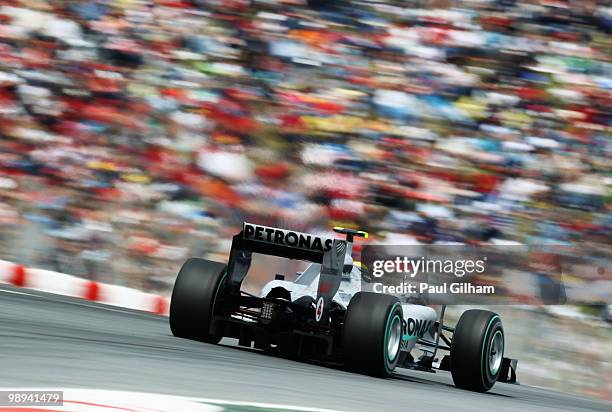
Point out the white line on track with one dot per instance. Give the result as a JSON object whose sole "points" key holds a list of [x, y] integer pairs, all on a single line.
{"points": [[263, 405], [16, 292], [87, 305]]}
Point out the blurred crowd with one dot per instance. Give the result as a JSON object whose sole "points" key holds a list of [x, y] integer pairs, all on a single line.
{"points": [[135, 133]]}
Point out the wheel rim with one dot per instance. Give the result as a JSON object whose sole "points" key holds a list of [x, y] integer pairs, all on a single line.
{"points": [[496, 352], [394, 337]]}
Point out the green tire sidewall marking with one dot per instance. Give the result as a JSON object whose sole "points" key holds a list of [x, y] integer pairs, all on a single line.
{"points": [[484, 345], [390, 319]]}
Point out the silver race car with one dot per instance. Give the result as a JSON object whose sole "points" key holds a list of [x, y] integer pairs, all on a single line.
{"points": [[328, 315]]}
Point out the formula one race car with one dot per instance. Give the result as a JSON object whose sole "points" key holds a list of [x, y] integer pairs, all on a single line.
{"points": [[324, 315]]}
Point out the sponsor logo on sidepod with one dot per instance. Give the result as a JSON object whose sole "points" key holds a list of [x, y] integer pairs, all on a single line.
{"points": [[415, 327]]}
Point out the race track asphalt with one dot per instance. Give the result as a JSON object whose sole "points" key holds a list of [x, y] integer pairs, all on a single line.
{"points": [[54, 341]]}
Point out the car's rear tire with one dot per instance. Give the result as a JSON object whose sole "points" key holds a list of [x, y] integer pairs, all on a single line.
{"points": [[196, 291], [477, 350], [372, 333]]}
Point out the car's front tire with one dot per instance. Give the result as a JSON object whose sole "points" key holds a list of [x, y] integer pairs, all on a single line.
{"points": [[197, 289], [477, 350], [372, 333]]}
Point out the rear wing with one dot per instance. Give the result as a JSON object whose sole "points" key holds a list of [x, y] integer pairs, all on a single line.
{"points": [[283, 243], [291, 245]]}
